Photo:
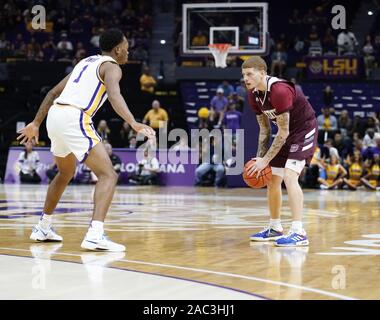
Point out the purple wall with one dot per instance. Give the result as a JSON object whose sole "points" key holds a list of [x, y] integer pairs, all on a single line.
{"points": [[171, 174]]}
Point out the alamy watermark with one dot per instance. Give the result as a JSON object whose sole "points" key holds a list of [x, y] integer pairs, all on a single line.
{"points": [[39, 19], [339, 20], [339, 281]]}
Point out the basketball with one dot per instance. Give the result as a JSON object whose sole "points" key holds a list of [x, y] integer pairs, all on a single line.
{"points": [[203, 113], [257, 182]]}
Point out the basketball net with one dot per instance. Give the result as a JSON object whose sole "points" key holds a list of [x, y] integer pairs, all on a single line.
{"points": [[220, 52]]}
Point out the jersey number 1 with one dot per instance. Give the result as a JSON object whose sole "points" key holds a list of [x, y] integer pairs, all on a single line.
{"points": [[84, 68]]}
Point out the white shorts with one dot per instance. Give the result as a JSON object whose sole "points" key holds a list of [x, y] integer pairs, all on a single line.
{"points": [[295, 165], [71, 131]]}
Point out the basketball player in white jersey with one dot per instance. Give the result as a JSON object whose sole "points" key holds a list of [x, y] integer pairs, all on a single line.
{"points": [[69, 107]]}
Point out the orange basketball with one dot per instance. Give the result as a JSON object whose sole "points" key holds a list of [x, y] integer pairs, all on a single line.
{"points": [[257, 182]]}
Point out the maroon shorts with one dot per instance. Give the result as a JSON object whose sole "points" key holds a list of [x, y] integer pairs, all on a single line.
{"points": [[300, 145]]}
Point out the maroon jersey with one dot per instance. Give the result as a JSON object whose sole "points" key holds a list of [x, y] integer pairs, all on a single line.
{"points": [[283, 96]]}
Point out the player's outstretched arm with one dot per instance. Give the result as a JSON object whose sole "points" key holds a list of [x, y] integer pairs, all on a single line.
{"points": [[112, 76], [282, 121], [31, 131], [264, 135]]}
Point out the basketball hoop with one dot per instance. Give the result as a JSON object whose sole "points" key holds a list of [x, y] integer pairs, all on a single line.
{"points": [[220, 52]]}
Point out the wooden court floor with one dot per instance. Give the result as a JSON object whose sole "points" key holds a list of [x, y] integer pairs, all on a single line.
{"points": [[190, 243]]}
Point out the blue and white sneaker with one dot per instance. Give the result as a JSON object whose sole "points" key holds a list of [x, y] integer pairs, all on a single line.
{"points": [[292, 240], [268, 234], [40, 234], [101, 244]]}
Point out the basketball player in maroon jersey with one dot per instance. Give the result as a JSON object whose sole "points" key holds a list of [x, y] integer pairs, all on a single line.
{"points": [[279, 101]]}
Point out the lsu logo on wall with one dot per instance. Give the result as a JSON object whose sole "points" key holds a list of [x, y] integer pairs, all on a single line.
{"points": [[330, 68]]}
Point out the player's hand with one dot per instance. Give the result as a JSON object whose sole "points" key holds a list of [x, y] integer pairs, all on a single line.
{"points": [[257, 167], [144, 129], [29, 133]]}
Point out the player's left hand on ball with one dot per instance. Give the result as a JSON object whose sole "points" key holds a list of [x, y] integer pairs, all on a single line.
{"points": [[144, 129], [257, 167]]}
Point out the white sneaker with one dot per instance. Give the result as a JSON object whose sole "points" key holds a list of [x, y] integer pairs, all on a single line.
{"points": [[39, 234], [102, 244]]}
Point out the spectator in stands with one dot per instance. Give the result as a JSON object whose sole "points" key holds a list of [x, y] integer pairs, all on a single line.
{"points": [[52, 171], [28, 161], [126, 132], [241, 89], [132, 142], [370, 137], [368, 56], [327, 124], [147, 82], [346, 42], [329, 150], [64, 46], [156, 117], [147, 170], [227, 88], [103, 130], [328, 96], [237, 100], [80, 51], [19, 46], [96, 36], [49, 50], [34, 51], [279, 59], [372, 151], [313, 37], [329, 42], [334, 172], [214, 165], [341, 145], [355, 170], [358, 127], [232, 118], [218, 106], [116, 162], [199, 40], [359, 147], [344, 122]]}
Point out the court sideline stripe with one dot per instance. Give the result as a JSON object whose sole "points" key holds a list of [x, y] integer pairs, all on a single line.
{"points": [[232, 275]]}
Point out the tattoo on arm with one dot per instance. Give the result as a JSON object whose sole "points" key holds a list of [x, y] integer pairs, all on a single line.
{"points": [[281, 136], [264, 135], [44, 108], [48, 101]]}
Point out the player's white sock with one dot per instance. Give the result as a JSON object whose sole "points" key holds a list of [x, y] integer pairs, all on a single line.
{"points": [[276, 224], [45, 221], [297, 227], [96, 229]]}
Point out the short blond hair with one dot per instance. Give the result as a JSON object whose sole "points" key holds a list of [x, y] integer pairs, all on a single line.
{"points": [[255, 62]]}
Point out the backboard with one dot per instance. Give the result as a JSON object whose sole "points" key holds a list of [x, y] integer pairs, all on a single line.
{"points": [[243, 25]]}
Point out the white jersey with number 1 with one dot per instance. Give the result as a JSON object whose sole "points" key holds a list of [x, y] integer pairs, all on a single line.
{"points": [[69, 121], [85, 89]]}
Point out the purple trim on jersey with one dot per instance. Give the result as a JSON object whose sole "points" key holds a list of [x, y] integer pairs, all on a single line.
{"points": [[99, 104], [93, 97], [97, 134], [84, 133]]}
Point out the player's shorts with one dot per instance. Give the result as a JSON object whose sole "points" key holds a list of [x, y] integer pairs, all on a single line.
{"points": [[71, 131], [298, 149]]}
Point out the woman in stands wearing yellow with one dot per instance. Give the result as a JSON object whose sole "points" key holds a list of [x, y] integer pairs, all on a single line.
{"points": [[372, 177], [355, 171], [335, 173]]}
